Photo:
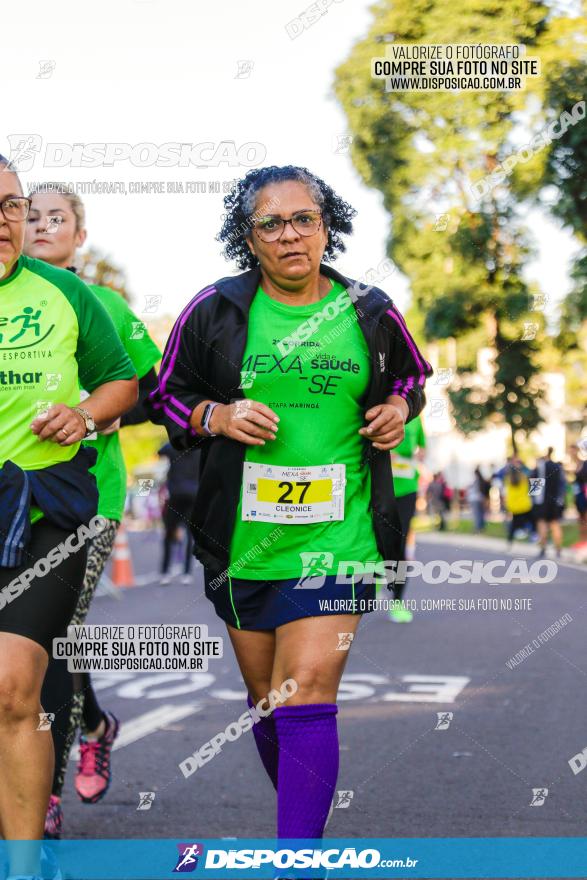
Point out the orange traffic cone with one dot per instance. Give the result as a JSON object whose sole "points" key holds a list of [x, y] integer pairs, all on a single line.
{"points": [[122, 570]]}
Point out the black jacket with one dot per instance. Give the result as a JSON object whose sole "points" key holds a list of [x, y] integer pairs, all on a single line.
{"points": [[555, 483], [183, 471], [66, 492], [202, 361]]}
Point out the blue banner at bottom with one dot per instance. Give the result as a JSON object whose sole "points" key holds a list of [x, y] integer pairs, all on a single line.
{"points": [[227, 858]]}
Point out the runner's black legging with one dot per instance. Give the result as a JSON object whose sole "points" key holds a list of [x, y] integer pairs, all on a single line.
{"points": [[406, 508], [66, 694], [92, 714], [177, 512], [520, 521]]}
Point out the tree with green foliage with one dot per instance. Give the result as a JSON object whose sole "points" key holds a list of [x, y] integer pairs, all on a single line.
{"points": [[463, 253], [556, 179]]}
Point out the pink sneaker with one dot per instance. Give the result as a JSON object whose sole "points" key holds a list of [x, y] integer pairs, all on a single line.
{"points": [[93, 770], [54, 819]]}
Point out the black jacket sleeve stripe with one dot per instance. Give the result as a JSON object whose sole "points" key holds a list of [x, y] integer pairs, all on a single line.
{"points": [[176, 394], [409, 373]]}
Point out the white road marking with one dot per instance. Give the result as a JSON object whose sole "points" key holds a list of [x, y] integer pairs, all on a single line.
{"points": [[143, 725], [429, 689], [162, 685], [356, 686]]}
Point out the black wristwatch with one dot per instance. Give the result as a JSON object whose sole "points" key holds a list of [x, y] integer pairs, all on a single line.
{"points": [[205, 420]]}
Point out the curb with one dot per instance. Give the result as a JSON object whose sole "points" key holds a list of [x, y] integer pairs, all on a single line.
{"points": [[482, 542]]}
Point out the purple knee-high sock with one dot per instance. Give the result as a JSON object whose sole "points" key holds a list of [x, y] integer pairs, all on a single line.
{"points": [[266, 742], [308, 767]]}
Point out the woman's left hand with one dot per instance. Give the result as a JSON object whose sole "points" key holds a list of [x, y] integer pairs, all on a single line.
{"points": [[386, 428], [60, 424]]}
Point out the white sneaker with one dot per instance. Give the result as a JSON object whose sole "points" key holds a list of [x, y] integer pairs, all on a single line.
{"points": [[165, 579]]}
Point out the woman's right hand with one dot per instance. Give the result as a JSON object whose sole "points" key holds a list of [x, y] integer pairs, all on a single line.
{"points": [[247, 421]]}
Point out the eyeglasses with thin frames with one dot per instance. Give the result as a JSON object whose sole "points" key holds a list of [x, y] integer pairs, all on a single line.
{"points": [[271, 228], [16, 208]]}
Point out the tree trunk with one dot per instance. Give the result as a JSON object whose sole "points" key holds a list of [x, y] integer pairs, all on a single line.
{"points": [[514, 444]]}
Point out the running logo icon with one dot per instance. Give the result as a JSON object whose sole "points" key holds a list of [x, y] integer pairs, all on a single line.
{"points": [[343, 143], [444, 719], [314, 568], [53, 224], [539, 795], [438, 407], [23, 150], [539, 301], [242, 407], [52, 381], [536, 485], [187, 860], [146, 799], [46, 719], [344, 800], [344, 641], [244, 68], [151, 303], [444, 376], [46, 68], [40, 408], [30, 328]]}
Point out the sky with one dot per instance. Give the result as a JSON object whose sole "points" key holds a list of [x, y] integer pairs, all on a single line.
{"points": [[159, 71]]}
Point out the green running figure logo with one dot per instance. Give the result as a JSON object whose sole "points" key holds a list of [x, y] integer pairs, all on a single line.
{"points": [[28, 328]]}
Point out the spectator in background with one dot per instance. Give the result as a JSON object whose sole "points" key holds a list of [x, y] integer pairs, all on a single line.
{"points": [[447, 494], [404, 464], [436, 498], [580, 491], [477, 495], [499, 476], [182, 484], [548, 496], [517, 499]]}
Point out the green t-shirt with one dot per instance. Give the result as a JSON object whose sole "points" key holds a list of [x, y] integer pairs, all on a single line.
{"points": [[403, 463], [54, 336], [317, 391], [110, 469]]}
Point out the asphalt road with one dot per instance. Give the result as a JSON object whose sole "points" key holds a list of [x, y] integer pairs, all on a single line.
{"points": [[512, 730]]}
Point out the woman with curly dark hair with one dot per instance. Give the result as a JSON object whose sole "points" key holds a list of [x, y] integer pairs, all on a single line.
{"points": [[297, 381]]}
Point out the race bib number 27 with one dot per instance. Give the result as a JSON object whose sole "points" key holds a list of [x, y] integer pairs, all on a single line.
{"points": [[276, 493]]}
